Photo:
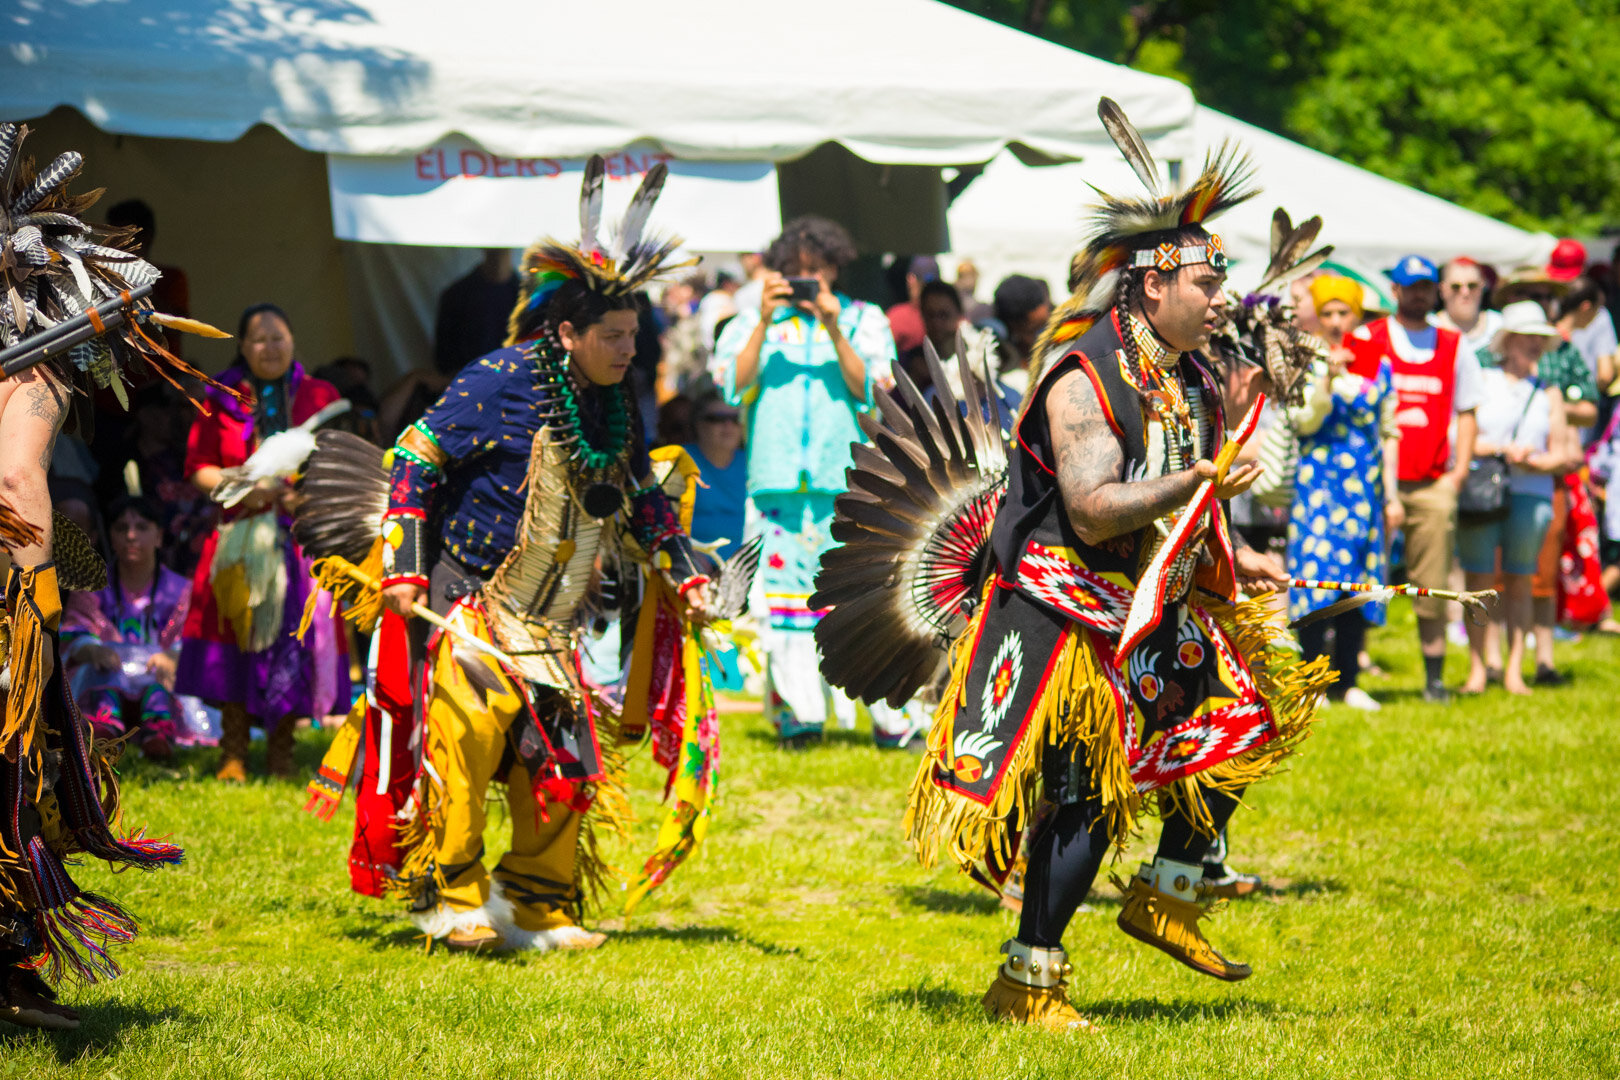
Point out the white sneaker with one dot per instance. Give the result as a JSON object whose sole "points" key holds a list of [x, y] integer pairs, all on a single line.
{"points": [[1357, 698]]}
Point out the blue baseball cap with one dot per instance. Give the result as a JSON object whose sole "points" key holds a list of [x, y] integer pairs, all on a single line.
{"points": [[1413, 269]]}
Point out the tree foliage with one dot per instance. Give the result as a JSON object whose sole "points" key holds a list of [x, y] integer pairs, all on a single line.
{"points": [[1508, 108]]}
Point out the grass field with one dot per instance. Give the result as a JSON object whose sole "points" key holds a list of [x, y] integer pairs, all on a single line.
{"points": [[1448, 908]]}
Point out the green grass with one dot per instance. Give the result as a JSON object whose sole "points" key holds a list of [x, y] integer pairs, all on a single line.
{"points": [[1452, 911]]}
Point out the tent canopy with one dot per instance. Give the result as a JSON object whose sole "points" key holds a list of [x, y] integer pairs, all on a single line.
{"points": [[897, 82], [1017, 219]]}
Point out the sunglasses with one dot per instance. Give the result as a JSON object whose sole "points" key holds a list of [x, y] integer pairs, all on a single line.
{"points": [[1466, 286], [719, 418]]}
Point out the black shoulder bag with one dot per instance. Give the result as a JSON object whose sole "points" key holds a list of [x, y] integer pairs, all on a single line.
{"points": [[1484, 494]]}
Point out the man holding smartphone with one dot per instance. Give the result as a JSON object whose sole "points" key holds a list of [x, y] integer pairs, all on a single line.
{"points": [[802, 366]]}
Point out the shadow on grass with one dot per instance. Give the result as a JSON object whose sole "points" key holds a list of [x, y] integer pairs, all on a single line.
{"points": [[947, 902], [1176, 1011], [946, 1005], [100, 1033], [1309, 889], [701, 935], [942, 1004], [386, 936]]}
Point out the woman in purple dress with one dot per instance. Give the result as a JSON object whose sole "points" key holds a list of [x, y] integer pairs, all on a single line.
{"points": [[244, 653], [121, 643]]}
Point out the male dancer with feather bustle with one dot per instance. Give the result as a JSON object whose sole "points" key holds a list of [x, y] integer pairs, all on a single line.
{"points": [[71, 315], [505, 506], [1108, 666]]}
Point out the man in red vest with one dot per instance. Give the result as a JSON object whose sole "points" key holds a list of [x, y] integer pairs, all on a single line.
{"points": [[1434, 381]]}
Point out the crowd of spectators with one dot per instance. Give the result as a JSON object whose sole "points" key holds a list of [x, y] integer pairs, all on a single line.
{"points": [[759, 369], [1471, 382]]}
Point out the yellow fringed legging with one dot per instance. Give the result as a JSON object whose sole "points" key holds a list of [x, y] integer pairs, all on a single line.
{"points": [[466, 741]]}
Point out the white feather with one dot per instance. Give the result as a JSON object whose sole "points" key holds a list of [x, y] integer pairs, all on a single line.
{"points": [[278, 457]]}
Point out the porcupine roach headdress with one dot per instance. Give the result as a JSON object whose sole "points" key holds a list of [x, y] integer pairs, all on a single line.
{"points": [[629, 263], [55, 267], [1124, 231], [1260, 329]]}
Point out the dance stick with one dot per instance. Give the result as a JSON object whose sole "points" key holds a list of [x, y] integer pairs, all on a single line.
{"points": [[1472, 602], [422, 611]]}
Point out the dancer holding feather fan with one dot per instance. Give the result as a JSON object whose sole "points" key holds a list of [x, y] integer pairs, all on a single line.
{"points": [[1103, 661], [506, 508]]}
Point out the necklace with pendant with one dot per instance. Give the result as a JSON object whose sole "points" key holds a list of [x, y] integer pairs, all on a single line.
{"points": [[589, 462]]}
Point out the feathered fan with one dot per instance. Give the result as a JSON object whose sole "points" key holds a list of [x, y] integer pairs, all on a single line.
{"points": [[913, 532], [56, 271], [1260, 328], [343, 496]]}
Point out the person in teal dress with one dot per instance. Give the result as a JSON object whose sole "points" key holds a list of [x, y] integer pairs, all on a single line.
{"points": [[1337, 526], [803, 368]]}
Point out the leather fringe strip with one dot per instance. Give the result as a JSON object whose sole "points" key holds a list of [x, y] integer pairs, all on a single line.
{"points": [[1075, 707]]}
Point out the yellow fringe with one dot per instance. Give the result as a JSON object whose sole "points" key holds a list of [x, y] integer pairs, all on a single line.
{"points": [[1075, 708], [610, 812], [38, 610], [361, 604], [1291, 687], [415, 836]]}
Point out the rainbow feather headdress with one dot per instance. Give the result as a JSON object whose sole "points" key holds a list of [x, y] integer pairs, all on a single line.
{"points": [[1120, 227], [630, 261]]}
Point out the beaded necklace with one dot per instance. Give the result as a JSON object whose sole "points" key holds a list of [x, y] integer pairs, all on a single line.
{"points": [[590, 466], [1157, 372], [554, 361]]}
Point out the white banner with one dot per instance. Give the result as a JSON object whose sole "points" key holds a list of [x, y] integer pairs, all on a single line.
{"points": [[455, 194]]}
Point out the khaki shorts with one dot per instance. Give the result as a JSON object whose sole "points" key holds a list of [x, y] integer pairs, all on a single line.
{"points": [[1431, 540]]}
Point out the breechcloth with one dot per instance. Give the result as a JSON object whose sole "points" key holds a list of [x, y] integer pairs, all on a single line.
{"points": [[467, 746]]}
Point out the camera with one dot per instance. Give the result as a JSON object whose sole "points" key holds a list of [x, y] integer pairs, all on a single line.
{"points": [[805, 289]]}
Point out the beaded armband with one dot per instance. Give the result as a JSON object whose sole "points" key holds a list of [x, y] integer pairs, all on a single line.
{"points": [[404, 552], [416, 444]]}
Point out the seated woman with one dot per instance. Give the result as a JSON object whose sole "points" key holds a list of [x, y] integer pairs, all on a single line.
{"points": [[1522, 421], [121, 643]]}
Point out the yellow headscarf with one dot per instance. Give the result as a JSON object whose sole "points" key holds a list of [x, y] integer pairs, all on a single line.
{"points": [[1334, 287]]}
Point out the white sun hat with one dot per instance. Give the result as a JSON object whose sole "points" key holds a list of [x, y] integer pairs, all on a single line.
{"points": [[1526, 317]]}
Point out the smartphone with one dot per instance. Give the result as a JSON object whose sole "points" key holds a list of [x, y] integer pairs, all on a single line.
{"points": [[804, 288]]}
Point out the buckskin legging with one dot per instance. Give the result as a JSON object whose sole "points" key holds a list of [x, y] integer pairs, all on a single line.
{"points": [[1068, 850]]}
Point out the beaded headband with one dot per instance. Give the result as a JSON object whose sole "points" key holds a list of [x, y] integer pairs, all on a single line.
{"points": [[1167, 257]]}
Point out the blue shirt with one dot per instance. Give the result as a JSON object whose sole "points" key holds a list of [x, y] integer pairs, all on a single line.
{"points": [[485, 426], [717, 510]]}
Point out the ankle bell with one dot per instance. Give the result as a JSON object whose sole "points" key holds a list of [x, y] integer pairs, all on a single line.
{"points": [[1028, 965]]}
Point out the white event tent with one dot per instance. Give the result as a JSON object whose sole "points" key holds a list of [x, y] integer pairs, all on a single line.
{"points": [[265, 133], [1015, 219]]}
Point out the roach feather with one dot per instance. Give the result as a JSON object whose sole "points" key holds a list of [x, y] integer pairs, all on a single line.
{"points": [[590, 202], [1130, 143]]}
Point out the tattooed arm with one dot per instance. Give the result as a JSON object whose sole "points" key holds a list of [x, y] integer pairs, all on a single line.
{"points": [[1091, 469]]}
